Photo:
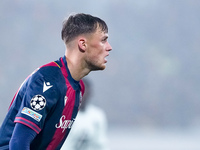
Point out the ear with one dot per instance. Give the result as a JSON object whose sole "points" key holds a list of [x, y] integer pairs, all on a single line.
{"points": [[82, 44]]}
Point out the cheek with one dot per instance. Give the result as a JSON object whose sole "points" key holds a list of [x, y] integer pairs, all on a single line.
{"points": [[95, 56], [97, 50]]}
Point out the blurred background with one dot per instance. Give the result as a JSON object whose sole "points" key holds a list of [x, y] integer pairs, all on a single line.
{"points": [[150, 88]]}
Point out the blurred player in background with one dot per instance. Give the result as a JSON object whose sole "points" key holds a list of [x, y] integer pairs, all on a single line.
{"points": [[90, 129], [45, 107]]}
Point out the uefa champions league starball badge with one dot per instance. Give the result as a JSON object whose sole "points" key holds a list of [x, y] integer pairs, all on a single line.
{"points": [[38, 102]]}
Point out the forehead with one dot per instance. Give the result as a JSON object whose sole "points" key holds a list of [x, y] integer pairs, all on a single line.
{"points": [[100, 33]]}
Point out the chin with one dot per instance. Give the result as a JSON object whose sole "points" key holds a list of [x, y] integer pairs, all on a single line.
{"points": [[102, 67], [95, 68]]}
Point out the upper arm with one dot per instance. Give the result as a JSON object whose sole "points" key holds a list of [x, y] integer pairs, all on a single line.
{"points": [[38, 100], [22, 137]]}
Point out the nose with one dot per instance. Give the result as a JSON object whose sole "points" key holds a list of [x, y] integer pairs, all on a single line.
{"points": [[109, 47]]}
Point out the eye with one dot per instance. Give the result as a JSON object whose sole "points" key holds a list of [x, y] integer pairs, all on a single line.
{"points": [[104, 39]]}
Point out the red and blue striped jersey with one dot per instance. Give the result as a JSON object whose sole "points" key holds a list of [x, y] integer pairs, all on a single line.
{"points": [[47, 102]]}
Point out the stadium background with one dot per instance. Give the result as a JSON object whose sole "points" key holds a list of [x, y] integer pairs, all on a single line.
{"points": [[150, 89]]}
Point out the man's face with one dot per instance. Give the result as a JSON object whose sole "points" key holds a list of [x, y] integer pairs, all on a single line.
{"points": [[97, 50]]}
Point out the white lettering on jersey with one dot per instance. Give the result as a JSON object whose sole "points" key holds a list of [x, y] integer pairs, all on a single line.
{"points": [[64, 124]]}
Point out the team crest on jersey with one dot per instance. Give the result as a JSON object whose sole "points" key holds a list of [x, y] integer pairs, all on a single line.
{"points": [[38, 102], [65, 100]]}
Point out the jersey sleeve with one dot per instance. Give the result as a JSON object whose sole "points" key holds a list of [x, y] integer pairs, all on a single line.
{"points": [[39, 98], [19, 140]]}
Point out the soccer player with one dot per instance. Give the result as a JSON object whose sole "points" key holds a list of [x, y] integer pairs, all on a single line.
{"points": [[44, 108]]}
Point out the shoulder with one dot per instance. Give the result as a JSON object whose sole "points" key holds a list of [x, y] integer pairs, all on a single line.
{"points": [[46, 76], [96, 111], [95, 108], [50, 70]]}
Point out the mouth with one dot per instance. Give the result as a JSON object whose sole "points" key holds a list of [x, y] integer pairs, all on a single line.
{"points": [[106, 58]]}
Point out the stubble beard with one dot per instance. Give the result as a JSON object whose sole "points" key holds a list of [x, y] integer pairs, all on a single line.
{"points": [[94, 67]]}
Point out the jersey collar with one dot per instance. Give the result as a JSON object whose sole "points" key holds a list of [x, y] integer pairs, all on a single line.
{"points": [[75, 84]]}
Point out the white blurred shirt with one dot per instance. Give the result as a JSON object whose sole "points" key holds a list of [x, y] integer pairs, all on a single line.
{"points": [[88, 131]]}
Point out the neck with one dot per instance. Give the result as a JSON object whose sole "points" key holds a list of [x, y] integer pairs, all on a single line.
{"points": [[76, 66]]}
